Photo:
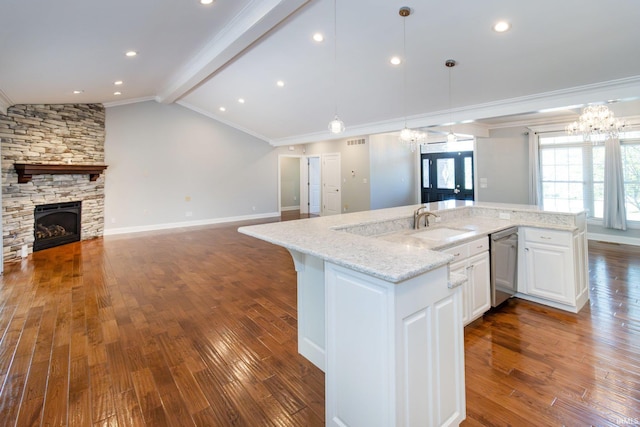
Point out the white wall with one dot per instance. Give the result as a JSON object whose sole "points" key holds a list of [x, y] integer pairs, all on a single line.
{"points": [[503, 160], [393, 172], [353, 158], [166, 161]]}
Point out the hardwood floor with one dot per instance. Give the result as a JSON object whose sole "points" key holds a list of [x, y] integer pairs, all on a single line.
{"points": [[197, 326]]}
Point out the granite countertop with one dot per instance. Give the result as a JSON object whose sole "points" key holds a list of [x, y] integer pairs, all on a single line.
{"points": [[379, 242]]}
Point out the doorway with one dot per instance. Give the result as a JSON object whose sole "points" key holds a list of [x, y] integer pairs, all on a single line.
{"points": [[446, 176]]}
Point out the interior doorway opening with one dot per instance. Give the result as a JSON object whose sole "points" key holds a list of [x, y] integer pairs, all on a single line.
{"points": [[299, 185]]}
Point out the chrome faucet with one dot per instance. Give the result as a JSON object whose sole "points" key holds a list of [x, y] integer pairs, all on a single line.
{"points": [[420, 213]]}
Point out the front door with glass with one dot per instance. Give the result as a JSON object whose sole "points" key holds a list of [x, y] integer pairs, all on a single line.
{"points": [[447, 176]]}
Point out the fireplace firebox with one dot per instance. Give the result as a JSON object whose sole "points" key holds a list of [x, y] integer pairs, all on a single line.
{"points": [[56, 224]]}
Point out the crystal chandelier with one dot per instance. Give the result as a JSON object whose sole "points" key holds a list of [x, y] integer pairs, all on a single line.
{"points": [[596, 123], [412, 138]]}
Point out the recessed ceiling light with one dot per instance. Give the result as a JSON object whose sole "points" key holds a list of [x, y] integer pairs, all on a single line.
{"points": [[118, 82], [501, 27], [117, 93], [241, 100], [77, 92], [280, 83], [395, 60], [318, 37], [131, 53], [206, 1], [222, 109]]}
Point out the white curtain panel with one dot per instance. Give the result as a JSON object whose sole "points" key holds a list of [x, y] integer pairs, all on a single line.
{"points": [[614, 210]]}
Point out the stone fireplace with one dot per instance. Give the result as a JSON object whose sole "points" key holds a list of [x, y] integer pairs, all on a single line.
{"points": [[51, 135]]}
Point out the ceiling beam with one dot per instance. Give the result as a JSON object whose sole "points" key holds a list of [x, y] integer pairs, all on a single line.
{"points": [[251, 24]]}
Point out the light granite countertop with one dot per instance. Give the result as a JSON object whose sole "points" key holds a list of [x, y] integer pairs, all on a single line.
{"points": [[379, 242]]}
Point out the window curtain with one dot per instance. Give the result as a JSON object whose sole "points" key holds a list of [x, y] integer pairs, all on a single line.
{"points": [[534, 169], [614, 210]]}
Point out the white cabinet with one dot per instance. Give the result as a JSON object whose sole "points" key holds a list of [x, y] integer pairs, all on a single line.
{"points": [[395, 351], [554, 270], [472, 260]]}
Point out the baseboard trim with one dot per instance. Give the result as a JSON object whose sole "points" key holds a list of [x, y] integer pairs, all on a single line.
{"points": [[611, 238], [167, 226], [289, 208]]}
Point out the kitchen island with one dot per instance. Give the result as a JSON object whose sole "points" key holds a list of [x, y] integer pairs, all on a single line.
{"points": [[380, 312]]}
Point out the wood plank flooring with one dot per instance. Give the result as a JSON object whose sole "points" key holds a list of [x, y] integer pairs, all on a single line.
{"points": [[197, 327]]}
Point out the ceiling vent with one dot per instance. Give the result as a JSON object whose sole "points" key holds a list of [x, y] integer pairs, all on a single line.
{"points": [[356, 141]]}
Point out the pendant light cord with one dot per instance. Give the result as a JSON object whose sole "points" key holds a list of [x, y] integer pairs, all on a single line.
{"points": [[335, 55], [404, 69]]}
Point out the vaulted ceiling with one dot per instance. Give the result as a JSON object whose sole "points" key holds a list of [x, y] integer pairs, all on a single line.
{"points": [[557, 54]]}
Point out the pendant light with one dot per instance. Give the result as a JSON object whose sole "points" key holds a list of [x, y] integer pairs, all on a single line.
{"points": [[408, 136], [336, 126], [451, 137]]}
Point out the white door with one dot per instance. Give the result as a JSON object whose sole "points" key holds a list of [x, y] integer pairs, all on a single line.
{"points": [[331, 197], [304, 185], [314, 185]]}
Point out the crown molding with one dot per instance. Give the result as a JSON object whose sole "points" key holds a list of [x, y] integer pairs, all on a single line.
{"points": [[129, 101], [221, 120], [5, 102], [625, 89]]}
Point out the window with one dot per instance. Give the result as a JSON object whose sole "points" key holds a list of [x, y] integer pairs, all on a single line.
{"points": [[572, 174]]}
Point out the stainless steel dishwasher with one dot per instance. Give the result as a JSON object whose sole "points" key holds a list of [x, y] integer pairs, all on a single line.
{"points": [[504, 265]]}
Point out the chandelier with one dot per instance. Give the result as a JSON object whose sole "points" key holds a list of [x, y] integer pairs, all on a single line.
{"points": [[596, 123], [412, 138]]}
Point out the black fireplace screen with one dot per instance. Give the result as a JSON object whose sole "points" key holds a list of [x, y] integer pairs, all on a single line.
{"points": [[56, 224]]}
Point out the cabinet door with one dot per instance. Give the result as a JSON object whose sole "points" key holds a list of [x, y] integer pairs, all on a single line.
{"points": [[550, 272], [447, 363], [460, 267], [479, 285]]}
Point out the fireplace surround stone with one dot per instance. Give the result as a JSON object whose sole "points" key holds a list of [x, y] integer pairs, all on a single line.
{"points": [[50, 134]]}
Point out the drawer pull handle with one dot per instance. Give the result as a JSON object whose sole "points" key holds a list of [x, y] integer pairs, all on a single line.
{"points": [[545, 237], [456, 254]]}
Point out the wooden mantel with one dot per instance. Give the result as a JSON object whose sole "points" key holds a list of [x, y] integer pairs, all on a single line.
{"points": [[27, 170]]}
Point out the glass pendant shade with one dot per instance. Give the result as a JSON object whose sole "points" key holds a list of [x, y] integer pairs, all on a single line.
{"points": [[336, 125], [451, 138]]}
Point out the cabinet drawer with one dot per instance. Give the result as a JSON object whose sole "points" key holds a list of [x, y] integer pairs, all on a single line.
{"points": [[466, 250], [478, 246], [552, 237], [459, 253]]}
